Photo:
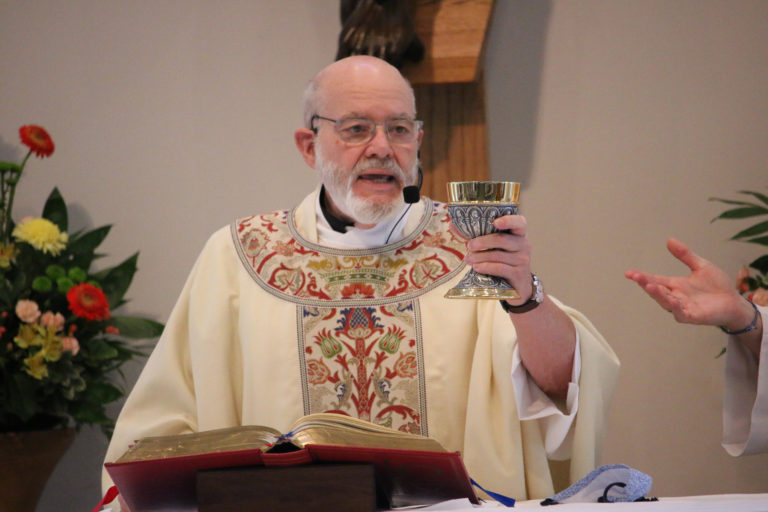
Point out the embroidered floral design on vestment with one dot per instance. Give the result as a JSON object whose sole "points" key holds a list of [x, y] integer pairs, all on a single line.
{"points": [[362, 361], [358, 318]]}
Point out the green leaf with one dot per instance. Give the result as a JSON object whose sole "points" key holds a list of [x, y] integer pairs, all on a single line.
{"points": [[762, 197], [82, 248], [90, 240], [100, 392], [137, 328], [752, 231], [757, 229], [116, 280], [763, 240], [761, 264], [100, 349], [741, 213], [731, 201], [55, 210], [90, 413]]}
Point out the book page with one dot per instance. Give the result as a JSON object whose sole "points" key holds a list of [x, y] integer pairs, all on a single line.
{"points": [[337, 429], [209, 441]]}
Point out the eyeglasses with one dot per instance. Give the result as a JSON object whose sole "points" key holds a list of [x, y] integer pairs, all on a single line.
{"points": [[360, 130]]}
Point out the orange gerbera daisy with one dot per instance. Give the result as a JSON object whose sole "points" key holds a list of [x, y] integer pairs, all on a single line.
{"points": [[87, 301], [37, 139]]}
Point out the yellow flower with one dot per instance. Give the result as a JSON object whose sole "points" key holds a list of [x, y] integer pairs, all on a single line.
{"points": [[36, 365], [41, 234], [51, 348], [7, 254], [29, 336], [52, 344]]}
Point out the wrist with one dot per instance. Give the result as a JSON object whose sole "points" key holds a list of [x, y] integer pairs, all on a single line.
{"points": [[746, 320], [537, 297]]}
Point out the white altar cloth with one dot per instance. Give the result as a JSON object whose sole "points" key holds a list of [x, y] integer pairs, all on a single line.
{"points": [[708, 503]]}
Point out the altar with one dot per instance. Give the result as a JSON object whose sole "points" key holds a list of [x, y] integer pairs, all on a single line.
{"points": [[707, 503]]}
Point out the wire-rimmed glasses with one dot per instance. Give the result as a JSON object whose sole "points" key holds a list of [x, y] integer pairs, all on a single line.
{"points": [[359, 130]]}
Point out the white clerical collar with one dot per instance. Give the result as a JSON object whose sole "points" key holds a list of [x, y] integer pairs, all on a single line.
{"points": [[356, 238]]}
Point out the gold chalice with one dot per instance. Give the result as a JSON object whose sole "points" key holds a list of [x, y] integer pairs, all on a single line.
{"points": [[472, 208]]}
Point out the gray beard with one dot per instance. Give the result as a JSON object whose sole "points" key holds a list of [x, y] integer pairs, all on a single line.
{"points": [[338, 184]]}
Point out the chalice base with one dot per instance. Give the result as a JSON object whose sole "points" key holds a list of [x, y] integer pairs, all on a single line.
{"points": [[481, 286]]}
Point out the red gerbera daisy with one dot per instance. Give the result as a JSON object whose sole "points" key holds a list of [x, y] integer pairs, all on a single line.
{"points": [[87, 301], [37, 139]]}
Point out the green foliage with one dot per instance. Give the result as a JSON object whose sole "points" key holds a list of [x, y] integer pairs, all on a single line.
{"points": [[116, 280], [55, 210], [70, 383], [754, 234], [137, 328]]}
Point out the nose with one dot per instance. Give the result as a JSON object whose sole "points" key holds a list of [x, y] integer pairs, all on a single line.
{"points": [[379, 146]]}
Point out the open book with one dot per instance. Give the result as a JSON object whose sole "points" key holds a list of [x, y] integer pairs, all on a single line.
{"points": [[159, 472]]}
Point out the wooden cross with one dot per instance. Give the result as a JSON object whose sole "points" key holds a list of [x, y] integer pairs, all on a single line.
{"points": [[450, 92]]}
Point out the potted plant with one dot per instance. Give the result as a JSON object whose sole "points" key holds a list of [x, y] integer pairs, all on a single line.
{"points": [[61, 342], [752, 279]]}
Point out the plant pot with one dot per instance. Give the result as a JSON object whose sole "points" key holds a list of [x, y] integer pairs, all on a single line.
{"points": [[28, 459]]}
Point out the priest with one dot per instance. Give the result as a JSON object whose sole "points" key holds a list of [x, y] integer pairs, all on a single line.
{"points": [[337, 305]]}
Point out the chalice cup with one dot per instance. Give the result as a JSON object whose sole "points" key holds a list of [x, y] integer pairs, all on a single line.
{"points": [[472, 207]]}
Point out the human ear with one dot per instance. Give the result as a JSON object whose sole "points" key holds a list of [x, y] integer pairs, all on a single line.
{"points": [[305, 141]]}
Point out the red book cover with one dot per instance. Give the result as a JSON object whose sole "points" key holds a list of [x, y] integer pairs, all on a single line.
{"points": [[407, 477]]}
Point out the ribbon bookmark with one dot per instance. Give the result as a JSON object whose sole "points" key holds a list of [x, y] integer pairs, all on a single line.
{"points": [[109, 497], [504, 500]]}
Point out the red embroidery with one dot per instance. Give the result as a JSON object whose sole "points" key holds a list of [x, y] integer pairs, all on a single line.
{"points": [[289, 267], [363, 359]]}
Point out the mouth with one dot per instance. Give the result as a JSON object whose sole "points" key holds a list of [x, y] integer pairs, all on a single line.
{"points": [[376, 177]]}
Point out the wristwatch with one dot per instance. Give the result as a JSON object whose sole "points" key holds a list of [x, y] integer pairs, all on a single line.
{"points": [[536, 299]]}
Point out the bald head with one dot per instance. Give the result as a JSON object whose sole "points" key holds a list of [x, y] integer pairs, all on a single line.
{"points": [[359, 74]]}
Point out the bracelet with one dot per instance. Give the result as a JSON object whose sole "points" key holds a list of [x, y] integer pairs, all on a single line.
{"points": [[748, 328]]}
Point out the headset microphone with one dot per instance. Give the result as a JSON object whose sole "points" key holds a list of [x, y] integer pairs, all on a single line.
{"points": [[411, 192], [410, 196]]}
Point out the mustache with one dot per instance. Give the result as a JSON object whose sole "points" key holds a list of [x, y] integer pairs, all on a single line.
{"points": [[380, 163]]}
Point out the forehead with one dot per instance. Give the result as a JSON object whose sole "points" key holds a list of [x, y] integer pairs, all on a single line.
{"points": [[373, 95]]}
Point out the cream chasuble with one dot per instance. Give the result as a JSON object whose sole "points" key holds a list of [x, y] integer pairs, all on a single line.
{"points": [[271, 326]]}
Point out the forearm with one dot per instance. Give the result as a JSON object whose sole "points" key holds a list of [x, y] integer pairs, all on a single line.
{"points": [[546, 342]]}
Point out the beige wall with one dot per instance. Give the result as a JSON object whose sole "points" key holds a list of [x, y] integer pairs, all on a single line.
{"points": [[620, 118]]}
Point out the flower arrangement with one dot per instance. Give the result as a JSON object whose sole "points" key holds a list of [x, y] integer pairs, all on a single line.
{"points": [[60, 341], [751, 283]]}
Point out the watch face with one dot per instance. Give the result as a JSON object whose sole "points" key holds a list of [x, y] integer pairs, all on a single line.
{"points": [[538, 294]]}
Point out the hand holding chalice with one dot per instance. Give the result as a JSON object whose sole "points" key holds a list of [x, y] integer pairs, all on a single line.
{"points": [[473, 207]]}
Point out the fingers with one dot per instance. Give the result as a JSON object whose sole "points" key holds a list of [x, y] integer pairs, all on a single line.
{"points": [[505, 254], [515, 224], [644, 279], [655, 286], [681, 251], [664, 297]]}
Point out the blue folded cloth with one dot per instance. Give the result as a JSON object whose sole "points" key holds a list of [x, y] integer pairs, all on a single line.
{"points": [[606, 484]]}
